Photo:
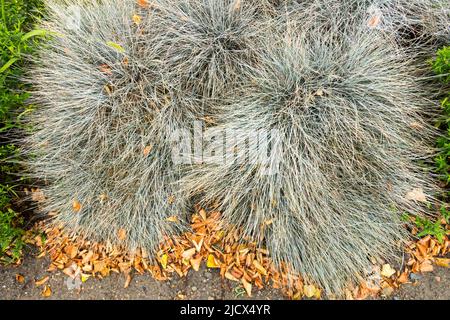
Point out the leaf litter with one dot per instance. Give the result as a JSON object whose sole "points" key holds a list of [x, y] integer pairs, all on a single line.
{"points": [[244, 263]]}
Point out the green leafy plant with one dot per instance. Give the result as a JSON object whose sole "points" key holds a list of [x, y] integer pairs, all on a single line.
{"points": [[11, 242], [441, 66], [17, 39], [445, 214], [429, 227]]}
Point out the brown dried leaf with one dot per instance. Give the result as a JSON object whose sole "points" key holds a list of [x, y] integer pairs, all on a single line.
{"points": [[259, 267], [309, 290], [127, 280], [41, 281], [374, 21], [164, 260], [137, 19], [202, 213], [187, 254], [195, 263], [105, 69], [37, 195], [231, 277], [172, 219], [443, 262], [237, 5], [212, 262], [416, 195], [20, 278], [87, 258], [422, 249], [197, 241], [122, 234], [76, 205], [403, 278], [171, 199], [72, 252], [247, 286], [143, 3], [108, 89], [387, 271], [416, 125], [47, 292], [426, 266], [147, 150]]}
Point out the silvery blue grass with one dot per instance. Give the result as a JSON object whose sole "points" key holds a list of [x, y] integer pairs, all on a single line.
{"points": [[340, 84]]}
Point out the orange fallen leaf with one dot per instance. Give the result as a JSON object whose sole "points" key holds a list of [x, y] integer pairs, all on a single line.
{"points": [[147, 150], [362, 293], [122, 234], [415, 268], [236, 273], [41, 281], [76, 205], [422, 249], [47, 292], [403, 278], [72, 252], [143, 3], [20, 278], [87, 258]]}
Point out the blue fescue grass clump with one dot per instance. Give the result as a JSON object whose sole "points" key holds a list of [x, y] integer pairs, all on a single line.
{"points": [[348, 93], [350, 107], [112, 88]]}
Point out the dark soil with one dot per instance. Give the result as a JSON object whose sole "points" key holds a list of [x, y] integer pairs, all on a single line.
{"points": [[429, 286]]}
